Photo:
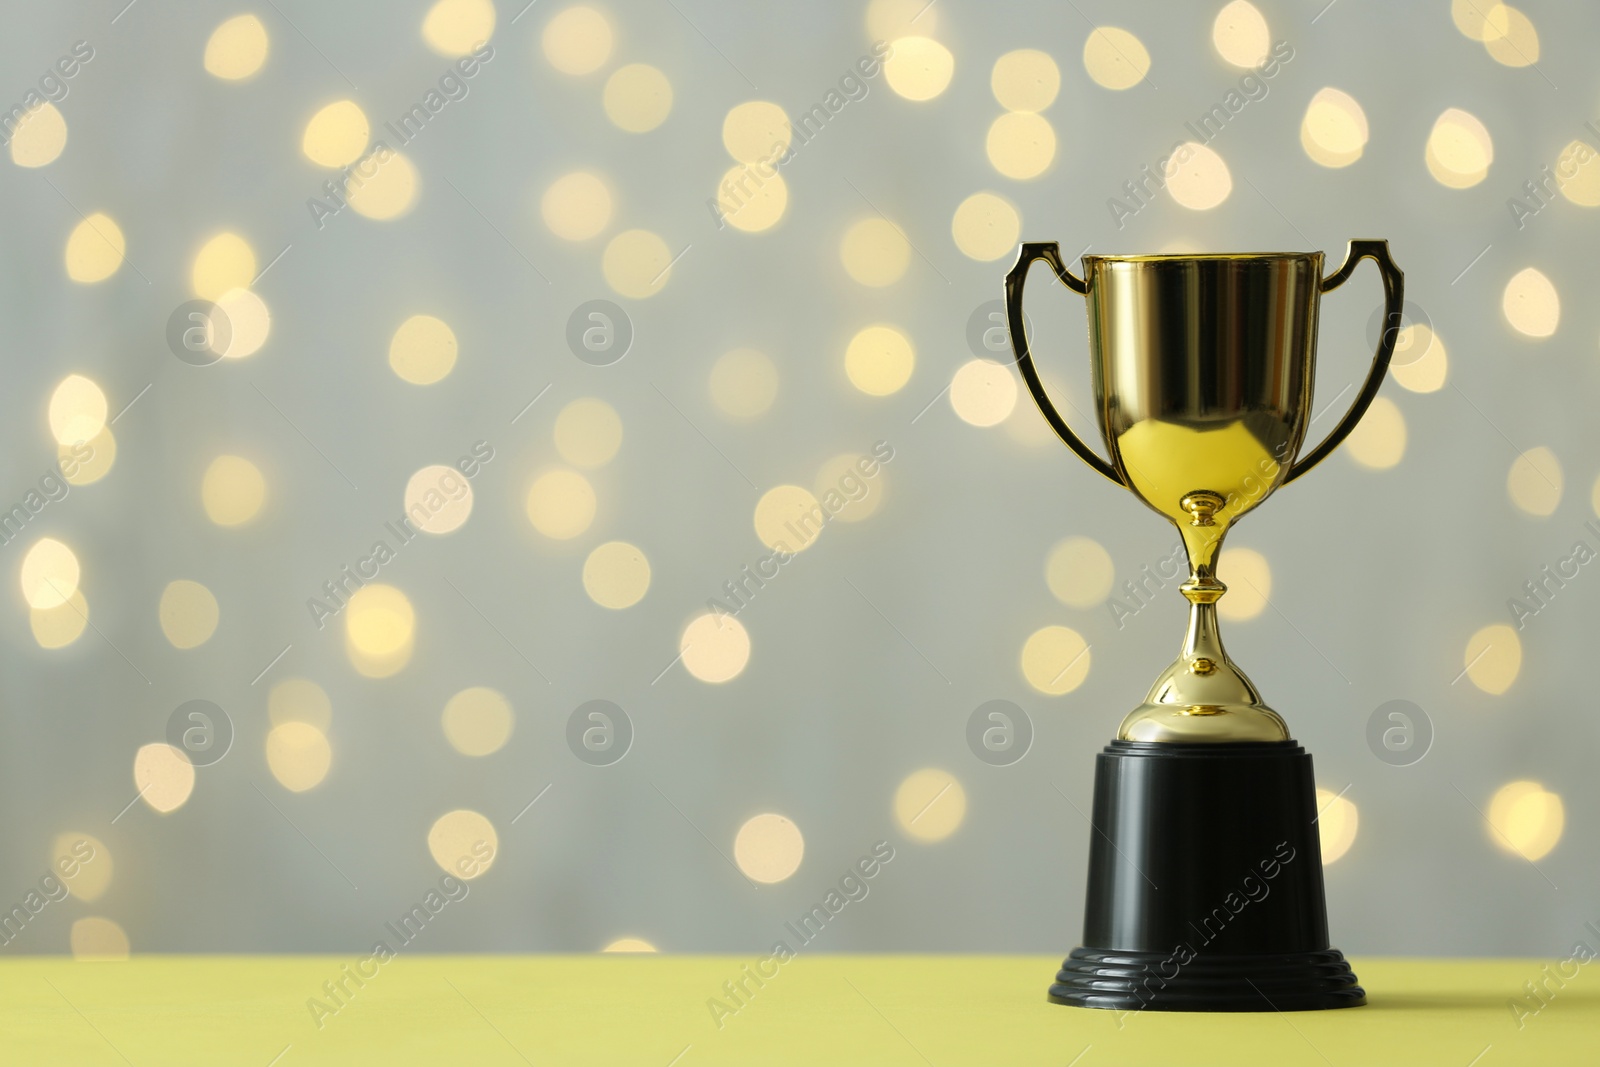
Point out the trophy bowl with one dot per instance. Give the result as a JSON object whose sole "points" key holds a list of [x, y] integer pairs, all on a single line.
{"points": [[1203, 367]]}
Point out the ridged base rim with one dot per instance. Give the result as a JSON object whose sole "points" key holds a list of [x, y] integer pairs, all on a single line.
{"points": [[1155, 981]]}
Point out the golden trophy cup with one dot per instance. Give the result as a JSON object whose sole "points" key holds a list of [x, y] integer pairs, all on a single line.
{"points": [[1205, 884]]}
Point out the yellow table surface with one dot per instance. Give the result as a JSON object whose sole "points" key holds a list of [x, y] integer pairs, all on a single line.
{"points": [[651, 1011]]}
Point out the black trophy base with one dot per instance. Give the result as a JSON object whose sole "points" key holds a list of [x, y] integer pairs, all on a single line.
{"points": [[1134, 981], [1205, 885]]}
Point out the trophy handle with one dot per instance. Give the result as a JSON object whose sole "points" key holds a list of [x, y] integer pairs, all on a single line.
{"points": [[1050, 252], [1394, 286]]}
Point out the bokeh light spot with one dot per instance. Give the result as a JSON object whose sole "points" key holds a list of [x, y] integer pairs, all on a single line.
{"points": [[616, 575], [1493, 658], [380, 631], [752, 197], [577, 206], [1531, 304], [577, 41], [1471, 17], [463, 843], [1021, 145], [879, 360], [788, 518], [299, 700], [1420, 362], [39, 137], [388, 191], [1115, 58], [1334, 130], [1510, 37], [1337, 823], [715, 647], [588, 432], [768, 848], [1199, 179], [95, 249], [1055, 660], [756, 131], [637, 263], [1577, 172], [163, 775], [49, 574], [561, 504], [379, 620], [844, 488], [744, 383], [438, 499], [61, 625], [249, 322], [889, 20], [87, 463], [1459, 150], [232, 490], [83, 863], [77, 411], [423, 350], [918, 68], [637, 98], [1240, 35], [456, 27], [225, 262], [188, 613], [478, 721], [237, 48], [930, 805], [1535, 481], [875, 252], [1379, 440], [1025, 80], [1248, 576], [1526, 819], [96, 939], [298, 755], [1079, 572], [983, 392], [986, 227], [336, 135]]}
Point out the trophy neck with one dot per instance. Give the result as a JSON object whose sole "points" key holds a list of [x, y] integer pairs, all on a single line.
{"points": [[1203, 696]]}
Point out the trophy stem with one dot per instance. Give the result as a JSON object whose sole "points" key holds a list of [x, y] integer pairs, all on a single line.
{"points": [[1202, 644], [1203, 696], [1202, 539]]}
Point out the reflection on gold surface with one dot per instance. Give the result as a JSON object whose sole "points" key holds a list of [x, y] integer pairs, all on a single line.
{"points": [[1166, 461], [1203, 375], [1203, 395], [1203, 368], [1204, 401]]}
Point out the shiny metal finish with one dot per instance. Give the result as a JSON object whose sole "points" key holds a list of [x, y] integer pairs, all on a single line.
{"points": [[1202, 378], [1203, 369]]}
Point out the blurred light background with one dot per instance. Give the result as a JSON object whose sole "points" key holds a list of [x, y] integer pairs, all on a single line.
{"points": [[581, 311]]}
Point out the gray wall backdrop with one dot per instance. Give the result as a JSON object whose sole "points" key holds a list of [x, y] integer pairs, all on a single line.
{"points": [[873, 647]]}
